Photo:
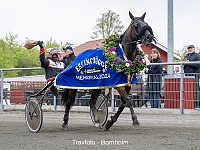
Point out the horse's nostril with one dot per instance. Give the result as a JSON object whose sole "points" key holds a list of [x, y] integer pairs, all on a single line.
{"points": [[148, 38]]}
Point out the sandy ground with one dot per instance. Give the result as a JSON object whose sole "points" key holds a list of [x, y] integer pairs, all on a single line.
{"points": [[157, 132]]}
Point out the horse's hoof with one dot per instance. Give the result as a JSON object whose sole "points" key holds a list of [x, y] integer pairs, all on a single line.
{"points": [[108, 124], [136, 125], [98, 125], [64, 126], [104, 128]]}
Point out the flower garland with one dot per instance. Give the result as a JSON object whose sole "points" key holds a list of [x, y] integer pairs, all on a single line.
{"points": [[113, 59]]}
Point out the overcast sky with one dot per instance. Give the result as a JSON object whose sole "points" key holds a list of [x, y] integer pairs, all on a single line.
{"points": [[72, 20]]}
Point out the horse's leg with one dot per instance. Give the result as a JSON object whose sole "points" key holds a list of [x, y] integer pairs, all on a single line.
{"points": [[115, 117], [129, 103], [120, 108], [68, 99], [125, 100], [94, 96]]}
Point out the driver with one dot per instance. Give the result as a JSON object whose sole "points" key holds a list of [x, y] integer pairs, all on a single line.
{"points": [[52, 64]]}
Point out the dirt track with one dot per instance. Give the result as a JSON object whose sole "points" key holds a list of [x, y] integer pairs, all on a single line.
{"points": [[166, 132]]}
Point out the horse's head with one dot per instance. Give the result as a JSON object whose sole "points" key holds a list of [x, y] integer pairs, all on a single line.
{"points": [[141, 30], [138, 32]]}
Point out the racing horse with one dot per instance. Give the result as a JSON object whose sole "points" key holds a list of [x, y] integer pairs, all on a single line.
{"points": [[138, 32]]}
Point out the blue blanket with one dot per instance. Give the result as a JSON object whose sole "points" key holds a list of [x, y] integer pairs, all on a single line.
{"points": [[89, 71]]}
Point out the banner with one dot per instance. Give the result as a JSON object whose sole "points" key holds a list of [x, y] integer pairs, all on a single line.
{"points": [[89, 71]]}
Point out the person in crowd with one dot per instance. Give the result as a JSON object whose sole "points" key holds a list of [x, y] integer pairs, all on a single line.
{"points": [[52, 65], [139, 79], [154, 80], [145, 99], [193, 70], [137, 91], [164, 72], [69, 56], [176, 70]]}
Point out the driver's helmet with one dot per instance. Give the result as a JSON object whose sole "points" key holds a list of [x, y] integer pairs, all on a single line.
{"points": [[53, 52]]}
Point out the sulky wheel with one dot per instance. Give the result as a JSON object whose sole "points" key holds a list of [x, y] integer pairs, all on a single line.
{"points": [[33, 115], [102, 110]]}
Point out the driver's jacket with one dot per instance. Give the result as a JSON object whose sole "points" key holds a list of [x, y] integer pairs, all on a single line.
{"points": [[52, 68]]}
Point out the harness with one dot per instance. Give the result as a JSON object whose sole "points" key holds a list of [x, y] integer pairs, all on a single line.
{"points": [[145, 33]]}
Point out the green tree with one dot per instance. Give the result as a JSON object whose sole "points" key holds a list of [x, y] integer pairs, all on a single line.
{"points": [[107, 25], [52, 43], [181, 53], [14, 55], [8, 47]]}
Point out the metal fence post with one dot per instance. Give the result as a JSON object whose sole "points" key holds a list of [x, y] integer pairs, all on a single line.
{"points": [[113, 101], [2, 80], [55, 106], [181, 89]]}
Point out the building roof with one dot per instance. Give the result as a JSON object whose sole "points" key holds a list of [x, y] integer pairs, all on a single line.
{"points": [[166, 50], [89, 45]]}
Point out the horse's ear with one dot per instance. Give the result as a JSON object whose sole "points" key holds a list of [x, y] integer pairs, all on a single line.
{"points": [[143, 16], [131, 16]]}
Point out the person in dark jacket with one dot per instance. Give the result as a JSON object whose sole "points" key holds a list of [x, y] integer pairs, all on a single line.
{"points": [[193, 70], [52, 65], [69, 56], [154, 79]]}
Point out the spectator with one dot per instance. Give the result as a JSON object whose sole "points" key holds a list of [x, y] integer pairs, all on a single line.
{"points": [[176, 70], [193, 70], [139, 79], [137, 91], [144, 101], [69, 56], [164, 72], [52, 65], [154, 79]]}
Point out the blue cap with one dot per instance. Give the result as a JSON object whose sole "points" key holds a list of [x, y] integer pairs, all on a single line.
{"points": [[68, 47]]}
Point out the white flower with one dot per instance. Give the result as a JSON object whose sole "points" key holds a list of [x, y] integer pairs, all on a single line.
{"points": [[113, 52], [127, 65]]}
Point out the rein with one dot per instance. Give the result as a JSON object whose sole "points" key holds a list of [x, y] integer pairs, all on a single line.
{"points": [[141, 35], [123, 52]]}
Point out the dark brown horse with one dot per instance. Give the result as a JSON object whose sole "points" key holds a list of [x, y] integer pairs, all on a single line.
{"points": [[138, 32]]}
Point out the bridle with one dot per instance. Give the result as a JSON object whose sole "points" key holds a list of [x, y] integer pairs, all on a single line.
{"points": [[127, 43], [145, 33]]}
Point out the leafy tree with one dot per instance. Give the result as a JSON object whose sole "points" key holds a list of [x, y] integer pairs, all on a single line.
{"points": [[11, 43], [6, 62], [181, 53], [107, 25], [52, 43], [26, 59], [14, 55], [7, 51]]}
